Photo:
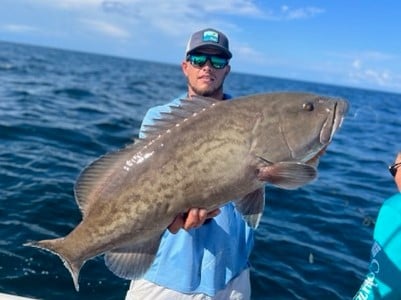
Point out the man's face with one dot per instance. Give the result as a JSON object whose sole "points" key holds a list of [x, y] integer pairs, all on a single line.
{"points": [[206, 80]]}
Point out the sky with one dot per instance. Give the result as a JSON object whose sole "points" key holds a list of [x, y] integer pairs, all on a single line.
{"points": [[353, 43]]}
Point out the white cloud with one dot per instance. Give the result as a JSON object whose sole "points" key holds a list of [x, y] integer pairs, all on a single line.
{"points": [[172, 7], [119, 18], [364, 55], [371, 69], [301, 13], [377, 56], [107, 28], [68, 4], [115, 7], [18, 28], [376, 75], [236, 7], [248, 54], [286, 13], [356, 64]]}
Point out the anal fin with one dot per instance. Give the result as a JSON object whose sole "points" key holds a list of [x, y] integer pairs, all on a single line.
{"points": [[251, 207], [132, 261]]}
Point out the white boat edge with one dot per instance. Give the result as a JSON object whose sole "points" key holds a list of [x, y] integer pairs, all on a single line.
{"points": [[4, 296]]}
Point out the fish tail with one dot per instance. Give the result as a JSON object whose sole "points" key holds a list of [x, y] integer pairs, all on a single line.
{"points": [[58, 247]]}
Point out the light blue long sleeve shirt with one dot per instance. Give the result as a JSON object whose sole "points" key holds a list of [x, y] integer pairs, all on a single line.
{"points": [[384, 278], [205, 259]]}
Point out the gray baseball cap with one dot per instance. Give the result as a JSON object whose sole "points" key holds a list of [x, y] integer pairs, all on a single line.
{"points": [[208, 38]]}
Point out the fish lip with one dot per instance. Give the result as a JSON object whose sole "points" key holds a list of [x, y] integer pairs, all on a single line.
{"points": [[341, 109], [336, 114], [333, 123]]}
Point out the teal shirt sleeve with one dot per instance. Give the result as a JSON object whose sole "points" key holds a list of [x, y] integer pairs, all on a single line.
{"points": [[384, 278], [205, 259]]}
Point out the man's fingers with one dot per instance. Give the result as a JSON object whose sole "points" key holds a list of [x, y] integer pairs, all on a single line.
{"points": [[177, 224], [202, 215], [213, 213], [193, 219]]}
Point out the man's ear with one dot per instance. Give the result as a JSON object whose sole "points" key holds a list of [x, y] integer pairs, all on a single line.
{"points": [[184, 67], [228, 69]]}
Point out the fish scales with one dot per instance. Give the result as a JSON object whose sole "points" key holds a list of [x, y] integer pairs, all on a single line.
{"points": [[150, 187], [212, 153], [201, 157]]}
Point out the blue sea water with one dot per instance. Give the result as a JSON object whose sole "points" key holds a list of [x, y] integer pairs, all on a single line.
{"points": [[59, 110]]}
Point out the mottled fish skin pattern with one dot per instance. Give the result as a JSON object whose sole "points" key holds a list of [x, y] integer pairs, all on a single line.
{"points": [[203, 154]]}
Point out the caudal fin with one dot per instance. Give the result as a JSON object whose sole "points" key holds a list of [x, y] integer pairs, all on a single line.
{"points": [[58, 247]]}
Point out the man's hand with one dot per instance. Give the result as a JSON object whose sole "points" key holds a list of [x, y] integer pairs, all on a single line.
{"points": [[193, 219]]}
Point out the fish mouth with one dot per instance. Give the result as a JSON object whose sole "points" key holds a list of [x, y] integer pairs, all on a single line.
{"points": [[314, 161], [329, 128], [333, 122]]}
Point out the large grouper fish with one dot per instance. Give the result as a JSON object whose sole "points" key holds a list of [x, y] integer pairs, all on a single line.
{"points": [[202, 154]]}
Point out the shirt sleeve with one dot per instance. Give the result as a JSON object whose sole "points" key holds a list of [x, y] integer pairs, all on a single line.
{"points": [[383, 279], [151, 115]]}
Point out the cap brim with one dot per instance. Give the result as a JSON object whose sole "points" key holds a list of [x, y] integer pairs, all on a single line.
{"points": [[211, 46]]}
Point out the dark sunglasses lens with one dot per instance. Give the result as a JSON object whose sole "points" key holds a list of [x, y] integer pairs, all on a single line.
{"points": [[218, 62], [198, 60], [393, 169]]}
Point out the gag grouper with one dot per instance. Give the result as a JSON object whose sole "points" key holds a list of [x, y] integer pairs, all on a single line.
{"points": [[202, 154]]}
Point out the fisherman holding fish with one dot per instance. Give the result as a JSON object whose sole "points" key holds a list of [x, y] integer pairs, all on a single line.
{"points": [[383, 280], [203, 255], [175, 211]]}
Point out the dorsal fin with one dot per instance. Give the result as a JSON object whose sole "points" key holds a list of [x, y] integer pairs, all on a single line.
{"points": [[98, 172], [96, 175], [177, 114]]}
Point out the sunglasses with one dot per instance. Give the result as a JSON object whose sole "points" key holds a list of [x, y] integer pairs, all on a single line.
{"points": [[199, 60], [393, 168]]}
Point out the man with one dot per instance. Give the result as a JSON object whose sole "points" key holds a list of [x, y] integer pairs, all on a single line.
{"points": [[203, 255], [383, 280]]}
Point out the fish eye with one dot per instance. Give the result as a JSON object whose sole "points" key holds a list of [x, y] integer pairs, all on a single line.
{"points": [[308, 106]]}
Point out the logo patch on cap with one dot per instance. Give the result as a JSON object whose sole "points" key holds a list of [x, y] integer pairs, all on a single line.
{"points": [[211, 36]]}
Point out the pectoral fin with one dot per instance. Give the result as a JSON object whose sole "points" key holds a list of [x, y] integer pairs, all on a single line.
{"points": [[251, 207], [132, 261], [287, 175]]}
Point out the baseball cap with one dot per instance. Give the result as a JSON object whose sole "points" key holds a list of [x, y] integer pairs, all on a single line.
{"points": [[208, 38]]}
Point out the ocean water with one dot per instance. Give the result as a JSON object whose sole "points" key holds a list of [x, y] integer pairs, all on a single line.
{"points": [[59, 110]]}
